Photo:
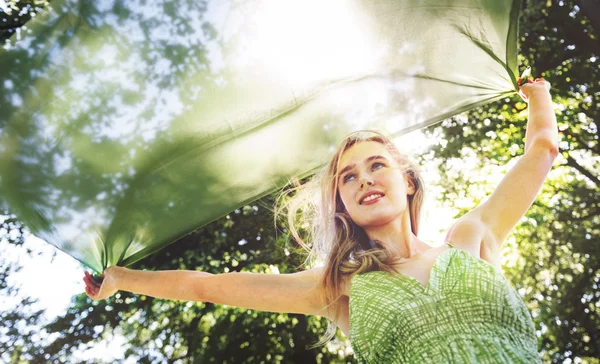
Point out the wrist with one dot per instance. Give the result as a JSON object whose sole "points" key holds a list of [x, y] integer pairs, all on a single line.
{"points": [[116, 274], [539, 91]]}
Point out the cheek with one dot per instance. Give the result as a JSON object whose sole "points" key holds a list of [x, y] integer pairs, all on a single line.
{"points": [[386, 178], [394, 184], [346, 195]]}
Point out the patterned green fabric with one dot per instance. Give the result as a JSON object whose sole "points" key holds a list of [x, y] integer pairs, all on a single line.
{"points": [[467, 313]]}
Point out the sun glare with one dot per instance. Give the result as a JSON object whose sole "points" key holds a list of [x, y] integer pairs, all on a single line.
{"points": [[303, 42]]}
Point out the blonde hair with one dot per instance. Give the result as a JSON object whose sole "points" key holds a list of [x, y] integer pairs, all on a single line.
{"points": [[330, 235]]}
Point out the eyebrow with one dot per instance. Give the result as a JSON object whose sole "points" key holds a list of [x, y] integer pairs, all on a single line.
{"points": [[351, 166]]}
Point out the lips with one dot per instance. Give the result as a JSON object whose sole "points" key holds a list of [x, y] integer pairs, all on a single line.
{"points": [[370, 197]]}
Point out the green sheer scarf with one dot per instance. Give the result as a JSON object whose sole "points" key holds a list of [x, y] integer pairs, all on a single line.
{"points": [[125, 126]]}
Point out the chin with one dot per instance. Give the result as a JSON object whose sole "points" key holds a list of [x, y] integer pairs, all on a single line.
{"points": [[378, 218]]}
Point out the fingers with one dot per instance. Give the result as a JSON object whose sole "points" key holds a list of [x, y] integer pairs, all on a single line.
{"points": [[522, 94], [546, 83], [528, 86], [92, 287], [521, 79], [90, 281], [89, 292]]}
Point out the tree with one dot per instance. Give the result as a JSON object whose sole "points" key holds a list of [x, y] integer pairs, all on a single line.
{"points": [[16, 13], [21, 321]]}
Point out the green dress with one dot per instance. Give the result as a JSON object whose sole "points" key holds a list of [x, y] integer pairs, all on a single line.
{"points": [[468, 313]]}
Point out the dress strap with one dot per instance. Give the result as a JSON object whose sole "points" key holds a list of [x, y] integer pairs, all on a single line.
{"points": [[450, 244]]}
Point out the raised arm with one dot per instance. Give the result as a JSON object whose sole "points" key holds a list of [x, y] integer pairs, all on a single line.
{"points": [[494, 219], [291, 293], [521, 185], [542, 130]]}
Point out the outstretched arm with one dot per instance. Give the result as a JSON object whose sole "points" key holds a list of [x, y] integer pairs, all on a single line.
{"points": [[291, 293]]}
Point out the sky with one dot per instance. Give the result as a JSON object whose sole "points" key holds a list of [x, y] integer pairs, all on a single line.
{"points": [[48, 274]]}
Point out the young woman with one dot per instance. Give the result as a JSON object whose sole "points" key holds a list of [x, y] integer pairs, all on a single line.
{"points": [[397, 298]]}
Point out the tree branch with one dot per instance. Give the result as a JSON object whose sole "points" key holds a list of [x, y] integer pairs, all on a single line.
{"points": [[582, 143], [573, 34], [10, 27], [573, 163]]}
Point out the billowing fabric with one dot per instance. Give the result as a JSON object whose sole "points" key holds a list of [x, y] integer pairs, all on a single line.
{"points": [[468, 313], [125, 125]]}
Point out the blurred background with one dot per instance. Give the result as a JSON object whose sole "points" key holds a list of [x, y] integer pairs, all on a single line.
{"points": [[552, 258]]}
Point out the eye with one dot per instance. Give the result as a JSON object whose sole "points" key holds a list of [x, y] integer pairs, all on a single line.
{"points": [[348, 177], [377, 165]]}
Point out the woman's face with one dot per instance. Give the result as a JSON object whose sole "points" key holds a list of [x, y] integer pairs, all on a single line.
{"points": [[372, 185]]}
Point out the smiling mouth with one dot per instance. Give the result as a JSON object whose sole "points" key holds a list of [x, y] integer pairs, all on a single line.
{"points": [[370, 198]]}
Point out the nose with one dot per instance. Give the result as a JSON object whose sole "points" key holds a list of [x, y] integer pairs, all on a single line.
{"points": [[365, 182]]}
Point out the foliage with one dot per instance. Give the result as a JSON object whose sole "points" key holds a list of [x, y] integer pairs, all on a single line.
{"points": [[18, 322], [16, 13]]}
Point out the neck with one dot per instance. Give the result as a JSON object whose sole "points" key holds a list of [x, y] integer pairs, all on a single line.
{"points": [[397, 236]]}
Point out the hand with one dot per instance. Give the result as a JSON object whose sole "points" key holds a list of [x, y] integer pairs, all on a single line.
{"points": [[529, 87], [102, 287]]}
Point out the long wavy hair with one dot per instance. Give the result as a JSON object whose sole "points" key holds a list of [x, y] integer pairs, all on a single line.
{"points": [[317, 220]]}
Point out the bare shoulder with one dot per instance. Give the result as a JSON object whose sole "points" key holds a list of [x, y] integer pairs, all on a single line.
{"points": [[337, 311], [471, 234], [316, 275]]}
